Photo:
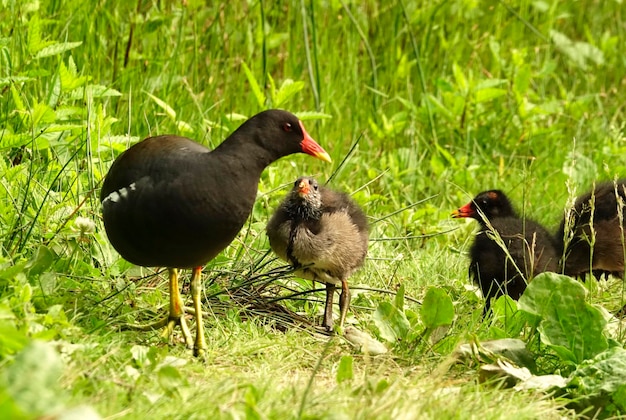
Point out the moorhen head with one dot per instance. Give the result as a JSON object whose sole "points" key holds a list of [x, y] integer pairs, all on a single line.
{"points": [[324, 234], [507, 252], [170, 202], [591, 235], [487, 205]]}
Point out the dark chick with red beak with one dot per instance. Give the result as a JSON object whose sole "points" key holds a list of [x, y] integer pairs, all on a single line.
{"points": [[171, 202], [507, 251], [324, 234]]}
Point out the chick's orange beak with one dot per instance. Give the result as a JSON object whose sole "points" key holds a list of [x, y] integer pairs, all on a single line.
{"points": [[303, 188], [310, 146], [465, 211]]}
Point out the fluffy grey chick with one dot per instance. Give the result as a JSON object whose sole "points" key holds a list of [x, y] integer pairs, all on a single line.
{"points": [[324, 234]]}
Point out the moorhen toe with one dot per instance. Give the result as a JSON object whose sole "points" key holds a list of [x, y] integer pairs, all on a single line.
{"points": [[507, 250], [170, 202], [324, 234]]}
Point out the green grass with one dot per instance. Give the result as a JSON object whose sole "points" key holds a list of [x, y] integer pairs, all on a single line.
{"points": [[445, 99]]}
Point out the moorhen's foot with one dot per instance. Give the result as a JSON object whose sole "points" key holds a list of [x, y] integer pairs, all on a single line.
{"points": [[200, 353], [172, 322], [149, 327], [329, 328]]}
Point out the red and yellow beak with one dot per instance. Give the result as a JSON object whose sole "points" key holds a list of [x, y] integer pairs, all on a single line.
{"points": [[303, 188], [465, 211], [310, 146]]}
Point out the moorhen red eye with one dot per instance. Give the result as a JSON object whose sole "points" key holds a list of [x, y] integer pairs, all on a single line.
{"points": [[507, 250], [324, 234], [170, 202], [591, 235]]}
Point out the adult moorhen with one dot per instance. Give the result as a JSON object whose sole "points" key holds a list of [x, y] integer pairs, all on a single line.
{"points": [[170, 202], [591, 235], [507, 250], [324, 234]]}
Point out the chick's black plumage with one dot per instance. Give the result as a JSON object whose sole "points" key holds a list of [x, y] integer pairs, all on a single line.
{"points": [[324, 234], [168, 201], [507, 250], [591, 235]]}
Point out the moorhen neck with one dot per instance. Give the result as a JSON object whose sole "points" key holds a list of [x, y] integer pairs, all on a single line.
{"points": [[170, 202], [591, 235], [508, 251], [324, 234]]}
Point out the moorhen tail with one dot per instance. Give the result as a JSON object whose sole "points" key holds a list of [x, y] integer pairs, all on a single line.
{"points": [[170, 202], [507, 250], [324, 234], [591, 235]]}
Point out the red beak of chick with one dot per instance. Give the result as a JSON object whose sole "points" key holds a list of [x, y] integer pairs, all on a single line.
{"points": [[303, 188], [465, 211]]}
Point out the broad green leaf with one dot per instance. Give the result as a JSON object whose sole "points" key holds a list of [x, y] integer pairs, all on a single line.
{"points": [[42, 114], [344, 370], [11, 271], [490, 83], [521, 80], [579, 53], [286, 91], [437, 308], [94, 91], [398, 300], [44, 257], [69, 76], [312, 115], [12, 340], [254, 85], [569, 323], [391, 322], [170, 379], [5, 81], [459, 77], [439, 107], [488, 94], [601, 379], [57, 48], [37, 397], [139, 354], [34, 34]]}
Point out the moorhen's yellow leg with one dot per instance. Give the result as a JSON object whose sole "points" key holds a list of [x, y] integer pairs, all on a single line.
{"points": [[328, 308], [196, 289], [344, 302], [177, 311]]}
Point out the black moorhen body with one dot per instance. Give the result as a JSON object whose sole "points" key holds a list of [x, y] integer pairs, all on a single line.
{"points": [[591, 235], [170, 202], [324, 234], [531, 249]]}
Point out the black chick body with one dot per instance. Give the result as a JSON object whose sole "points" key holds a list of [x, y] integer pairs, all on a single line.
{"points": [[324, 234], [170, 202], [591, 235], [507, 250]]}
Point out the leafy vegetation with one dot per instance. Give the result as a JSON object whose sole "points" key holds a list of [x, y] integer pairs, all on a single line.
{"points": [[421, 105]]}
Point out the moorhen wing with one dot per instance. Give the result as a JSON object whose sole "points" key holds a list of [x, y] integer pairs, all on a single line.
{"points": [[507, 250], [591, 235], [324, 234], [170, 202]]}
